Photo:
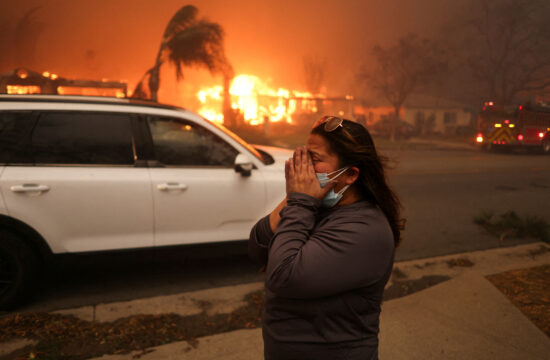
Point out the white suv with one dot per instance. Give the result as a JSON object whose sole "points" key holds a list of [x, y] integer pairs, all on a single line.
{"points": [[82, 174]]}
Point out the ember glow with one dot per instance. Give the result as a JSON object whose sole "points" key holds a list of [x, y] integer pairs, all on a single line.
{"points": [[90, 91], [23, 89], [256, 101]]}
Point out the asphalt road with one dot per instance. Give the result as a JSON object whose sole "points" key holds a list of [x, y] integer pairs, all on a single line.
{"points": [[441, 191]]}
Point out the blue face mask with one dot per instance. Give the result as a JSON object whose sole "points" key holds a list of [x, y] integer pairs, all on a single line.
{"points": [[331, 198]]}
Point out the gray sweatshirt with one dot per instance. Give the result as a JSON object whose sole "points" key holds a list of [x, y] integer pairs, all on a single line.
{"points": [[326, 271]]}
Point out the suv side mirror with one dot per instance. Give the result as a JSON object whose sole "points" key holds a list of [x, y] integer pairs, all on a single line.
{"points": [[243, 165]]}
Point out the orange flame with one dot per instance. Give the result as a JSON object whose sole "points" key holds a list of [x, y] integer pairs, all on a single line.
{"points": [[23, 89], [255, 100]]}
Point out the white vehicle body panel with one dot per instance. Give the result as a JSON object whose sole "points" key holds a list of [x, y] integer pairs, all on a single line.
{"points": [[274, 175], [213, 205], [85, 208]]}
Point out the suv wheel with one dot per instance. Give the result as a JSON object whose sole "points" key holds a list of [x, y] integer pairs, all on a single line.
{"points": [[546, 146], [18, 270]]}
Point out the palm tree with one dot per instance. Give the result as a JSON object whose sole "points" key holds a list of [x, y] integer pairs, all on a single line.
{"points": [[187, 41]]}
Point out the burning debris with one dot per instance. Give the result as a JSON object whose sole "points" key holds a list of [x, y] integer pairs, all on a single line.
{"points": [[24, 81], [258, 103]]}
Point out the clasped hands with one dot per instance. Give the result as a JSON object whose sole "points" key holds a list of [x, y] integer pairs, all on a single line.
{"points": [[300, 176]]}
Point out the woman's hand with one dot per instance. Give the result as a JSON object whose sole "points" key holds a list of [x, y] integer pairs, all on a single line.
{"points": [[301, 178]]}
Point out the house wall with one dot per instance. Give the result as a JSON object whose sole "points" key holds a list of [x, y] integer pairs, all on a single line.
{"points": [[375, 114], [442, 121], [425, 120]]}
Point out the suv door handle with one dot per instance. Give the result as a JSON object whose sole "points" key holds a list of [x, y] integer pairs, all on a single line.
{"points": [[29, 188], [171, 186]]}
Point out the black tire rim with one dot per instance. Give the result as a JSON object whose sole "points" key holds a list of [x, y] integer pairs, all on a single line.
{"points": [[8, 273]]}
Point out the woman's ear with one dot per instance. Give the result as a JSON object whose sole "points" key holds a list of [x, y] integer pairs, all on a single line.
{"points": [[351, 175]]}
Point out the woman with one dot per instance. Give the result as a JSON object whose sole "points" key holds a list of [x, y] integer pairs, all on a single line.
{"points": [[328, 248]]}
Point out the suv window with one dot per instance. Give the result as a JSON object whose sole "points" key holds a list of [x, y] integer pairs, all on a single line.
{"points": [[14, 133], [83, 138], [183, 143]]}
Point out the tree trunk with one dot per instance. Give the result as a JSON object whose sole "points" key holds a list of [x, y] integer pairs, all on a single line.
{"points": [[154, 78], [228, 118], [154, 82], [394, 123]]}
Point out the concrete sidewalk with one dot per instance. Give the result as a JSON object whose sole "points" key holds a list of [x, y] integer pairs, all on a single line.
{"points": [[465, 317]]}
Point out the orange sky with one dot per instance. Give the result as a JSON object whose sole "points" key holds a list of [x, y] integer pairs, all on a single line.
{"points": [[118, 39]]}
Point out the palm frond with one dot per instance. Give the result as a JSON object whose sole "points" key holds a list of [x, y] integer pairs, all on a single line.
{"points": [[182, 19], [200, 45], [187, 41]]}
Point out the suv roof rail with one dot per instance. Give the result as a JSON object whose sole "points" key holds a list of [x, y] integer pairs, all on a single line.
{"points": [[86, 100]]}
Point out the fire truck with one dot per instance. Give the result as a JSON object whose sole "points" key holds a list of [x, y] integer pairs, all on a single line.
{"points": [[526, 126]]}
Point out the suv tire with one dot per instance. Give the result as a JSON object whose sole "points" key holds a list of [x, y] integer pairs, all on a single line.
{"points": [[18, 270]]}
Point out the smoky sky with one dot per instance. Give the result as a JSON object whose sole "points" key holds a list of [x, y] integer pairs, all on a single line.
{"points": [[118, 39]]}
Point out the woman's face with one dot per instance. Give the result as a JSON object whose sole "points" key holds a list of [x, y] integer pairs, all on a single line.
{"points": [[324, 161]]}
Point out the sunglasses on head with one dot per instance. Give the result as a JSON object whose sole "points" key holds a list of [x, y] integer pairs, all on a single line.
{"points": [[331, 123]]}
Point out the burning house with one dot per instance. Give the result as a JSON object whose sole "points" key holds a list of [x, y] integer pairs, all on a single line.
{"points": [[254, 102], [25, 81]]}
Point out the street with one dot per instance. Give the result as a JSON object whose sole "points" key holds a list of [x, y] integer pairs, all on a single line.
{"points": [[441, 191]]}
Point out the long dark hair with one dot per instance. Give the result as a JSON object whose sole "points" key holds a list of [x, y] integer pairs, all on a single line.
{"points": [[353, 145]]}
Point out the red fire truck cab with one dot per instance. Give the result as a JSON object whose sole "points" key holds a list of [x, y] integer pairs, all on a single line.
{"points": [[526, 126]]}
